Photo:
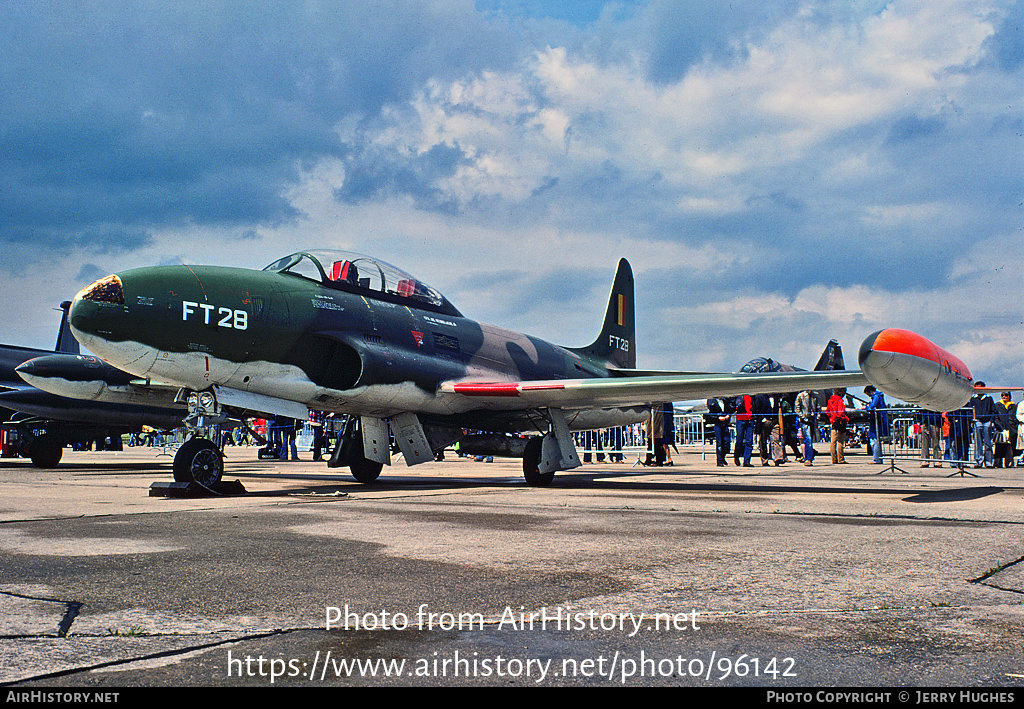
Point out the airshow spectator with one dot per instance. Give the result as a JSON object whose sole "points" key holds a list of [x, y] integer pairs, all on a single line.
{"points": [[960, 422], [668, 433], [1006, 430], [878, 421], [745, 424], [931, 437], [984, 413], [763, 424], [718, 415], [807, 415], [790, 427], [1020, 431], [839, 421]]}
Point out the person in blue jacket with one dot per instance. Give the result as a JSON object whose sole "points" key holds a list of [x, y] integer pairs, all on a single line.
{"points": [[878, 421]]}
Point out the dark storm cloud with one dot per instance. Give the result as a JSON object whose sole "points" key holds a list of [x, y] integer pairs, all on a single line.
{"points": [[143, 115], [373, 175]]}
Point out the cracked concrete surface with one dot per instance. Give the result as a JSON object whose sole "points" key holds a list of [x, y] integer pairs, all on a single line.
{"points": [[863, 578]]}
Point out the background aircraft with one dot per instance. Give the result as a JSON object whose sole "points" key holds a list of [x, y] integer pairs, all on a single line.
{"points": [[831, 359], [346, 333], [38, 424]]}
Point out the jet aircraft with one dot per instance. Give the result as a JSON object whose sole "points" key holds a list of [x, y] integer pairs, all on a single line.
{"points": [[350, 334], [43, 422]]}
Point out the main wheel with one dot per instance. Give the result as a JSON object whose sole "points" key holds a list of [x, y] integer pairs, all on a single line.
{"points": [[366, 471], [198, 460], [45, 451], [531, 463]]}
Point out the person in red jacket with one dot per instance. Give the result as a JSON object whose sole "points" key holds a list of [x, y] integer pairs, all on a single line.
{"points": [[744, 429], [837, 417]]}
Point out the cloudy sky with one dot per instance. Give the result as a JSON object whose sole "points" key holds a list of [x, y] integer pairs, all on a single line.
{"points": [[778, 174]]}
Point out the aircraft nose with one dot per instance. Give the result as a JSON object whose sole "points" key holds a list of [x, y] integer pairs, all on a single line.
{"points": [[37, 369], [102, 320], [94, 307]]}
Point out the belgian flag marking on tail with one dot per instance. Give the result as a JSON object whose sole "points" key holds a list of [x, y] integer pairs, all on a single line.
{"points": [[614, 347]]}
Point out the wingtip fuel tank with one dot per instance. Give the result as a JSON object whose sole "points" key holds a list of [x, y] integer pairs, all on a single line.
{"points": [[914, 369]]}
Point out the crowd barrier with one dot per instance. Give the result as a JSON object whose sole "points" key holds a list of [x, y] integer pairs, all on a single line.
{"points": [[900, 441]]}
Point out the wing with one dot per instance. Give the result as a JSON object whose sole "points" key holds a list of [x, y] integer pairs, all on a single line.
{"points": [[640, 390]]}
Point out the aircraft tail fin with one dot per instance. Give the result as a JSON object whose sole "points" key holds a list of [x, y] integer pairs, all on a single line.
{"points": [[615, 346], [831, 358], [66, 342]]}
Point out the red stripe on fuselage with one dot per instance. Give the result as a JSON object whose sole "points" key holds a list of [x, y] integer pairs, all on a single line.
{"points": [[500, 388], [487, 389], [910, 343]]}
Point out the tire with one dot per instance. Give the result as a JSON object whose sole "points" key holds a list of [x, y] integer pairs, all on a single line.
{"points": [[198, 461], [531, 464], [45, 452], [366, 471]]}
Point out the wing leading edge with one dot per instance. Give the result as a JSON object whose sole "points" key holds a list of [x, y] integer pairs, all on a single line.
{"points": [[634, 391]]}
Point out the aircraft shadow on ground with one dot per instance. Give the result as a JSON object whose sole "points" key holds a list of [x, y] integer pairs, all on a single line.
{"points": [[597, 480]]}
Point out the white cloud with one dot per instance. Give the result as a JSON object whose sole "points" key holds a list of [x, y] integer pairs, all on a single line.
{"points": [[826, 174]]}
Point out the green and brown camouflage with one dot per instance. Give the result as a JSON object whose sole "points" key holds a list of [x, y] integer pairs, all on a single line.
{"points": [[349, 334], [378, 344]]}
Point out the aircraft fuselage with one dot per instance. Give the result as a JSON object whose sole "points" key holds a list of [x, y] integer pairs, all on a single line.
{"points": [[286, 336]]}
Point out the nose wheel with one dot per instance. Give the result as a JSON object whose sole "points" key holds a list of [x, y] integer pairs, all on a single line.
{"points": [[198, 461]]}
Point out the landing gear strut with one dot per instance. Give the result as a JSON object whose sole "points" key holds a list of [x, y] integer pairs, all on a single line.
{"points": [[531, 463], [555, 450], [349, 451], [199, 460]]}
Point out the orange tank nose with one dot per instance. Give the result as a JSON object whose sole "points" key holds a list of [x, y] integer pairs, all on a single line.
{"points": [[911, 367]]}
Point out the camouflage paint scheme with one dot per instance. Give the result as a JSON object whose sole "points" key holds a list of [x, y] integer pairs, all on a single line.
{"points": [[336, 346], [346, 333]]}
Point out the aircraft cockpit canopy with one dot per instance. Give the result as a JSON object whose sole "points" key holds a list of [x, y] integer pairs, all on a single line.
{"points": [[358, 273], [761, 364]]}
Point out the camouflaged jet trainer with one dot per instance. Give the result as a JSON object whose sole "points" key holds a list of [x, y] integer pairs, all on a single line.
{"points": [[349, 334]]}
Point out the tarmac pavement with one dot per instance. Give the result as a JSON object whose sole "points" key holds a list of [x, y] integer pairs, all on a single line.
{"points": [[458, 573]]}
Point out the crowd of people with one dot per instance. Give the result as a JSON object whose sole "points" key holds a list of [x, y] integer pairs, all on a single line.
{"points": [[773, 425], [784, 422]]}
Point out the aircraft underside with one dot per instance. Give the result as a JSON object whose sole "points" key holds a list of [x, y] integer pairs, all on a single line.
{"points": [[421, 422]]}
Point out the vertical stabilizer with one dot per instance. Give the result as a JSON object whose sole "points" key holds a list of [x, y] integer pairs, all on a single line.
{"points": [[831, 358], [616, 345], [66, 342]]}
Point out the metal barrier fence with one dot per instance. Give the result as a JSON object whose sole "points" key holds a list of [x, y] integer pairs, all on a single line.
{"points": [[964, 445], [956, 439], [902, 435]]}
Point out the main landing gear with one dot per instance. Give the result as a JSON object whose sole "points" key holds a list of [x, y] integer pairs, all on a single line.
{"points": [[551, 452], [350, 451], [531, 464]]}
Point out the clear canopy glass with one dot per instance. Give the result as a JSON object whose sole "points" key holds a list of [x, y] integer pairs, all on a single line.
{"points": [[347, 270]]}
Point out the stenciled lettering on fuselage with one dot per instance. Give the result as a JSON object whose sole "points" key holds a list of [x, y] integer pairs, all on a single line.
{"points": [[223, 317]]}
